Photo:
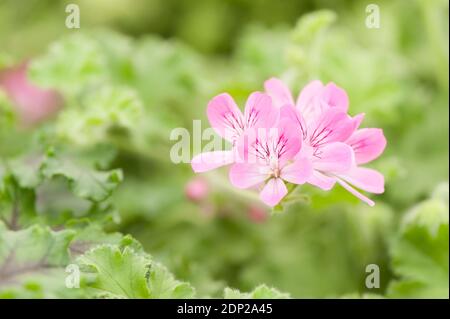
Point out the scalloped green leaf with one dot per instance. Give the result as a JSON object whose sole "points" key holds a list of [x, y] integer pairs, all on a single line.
{"points": [[84, 182], [421, 253], [69, 64], [122, 272], [260, 292], [99, 114], [32, 262]]}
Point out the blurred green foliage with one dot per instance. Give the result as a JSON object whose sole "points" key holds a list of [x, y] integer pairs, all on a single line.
{"points": [[137, 69]]}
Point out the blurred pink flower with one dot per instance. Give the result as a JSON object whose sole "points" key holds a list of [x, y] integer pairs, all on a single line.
{"points": [[196, 189], [229, 122], [269, 159], [33, 104], [330, 137], [257, 214]]}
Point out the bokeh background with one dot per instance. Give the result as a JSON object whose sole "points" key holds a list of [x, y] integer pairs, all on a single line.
{"points": [[136, 69]]}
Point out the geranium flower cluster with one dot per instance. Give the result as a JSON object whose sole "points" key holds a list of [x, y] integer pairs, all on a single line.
{"points": [[278, 140]]}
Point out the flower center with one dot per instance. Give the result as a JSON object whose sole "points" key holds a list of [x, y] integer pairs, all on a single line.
{"points": [[276, 172]]}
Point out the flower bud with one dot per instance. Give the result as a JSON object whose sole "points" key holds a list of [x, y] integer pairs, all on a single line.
{"points": [[257, 214], [196, 189]]}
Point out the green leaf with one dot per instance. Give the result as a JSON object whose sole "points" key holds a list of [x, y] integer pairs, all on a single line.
{"points": [[420, 254], [70, 64], [362, 296], [310, 25], [99, 114], [277, 209], [32, 262], [25, 170], [122, 272], [254, 62], [2, 179], [84, 182], [163, 285], [89, 235], [8, 119], [30, 193], [7, 116], [260, 292], [166, 71], [18, 179], [17, 204], [303, 53]]}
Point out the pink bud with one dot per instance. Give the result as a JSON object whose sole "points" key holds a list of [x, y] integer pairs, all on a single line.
{"points": [[33, 104], [257, 214], [196, 189]]}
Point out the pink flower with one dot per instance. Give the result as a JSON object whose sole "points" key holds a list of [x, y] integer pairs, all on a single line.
{"points": [[196, 189], [33, 104], [229, 122], [279, 140], [269, 160], [331, 141]]}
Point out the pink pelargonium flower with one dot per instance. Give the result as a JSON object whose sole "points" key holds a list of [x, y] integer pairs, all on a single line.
{"points": [[33, 104], [331, 140], [228, 121], [269, 158]]}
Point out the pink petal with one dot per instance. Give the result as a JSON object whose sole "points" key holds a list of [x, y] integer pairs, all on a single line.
{"points": [[293, 143], [334, 157], [248, 145], [279, 92], [308, 101], [244, 175], [207, 161], [357, 119], [298, 172], [273, 192], [259, 111], [294, 115], [322, 181], [332, 126], [334, 96], [315, 99], [365, 178], [355, 192], [225, 117], [368, 144], [309, 92]]}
